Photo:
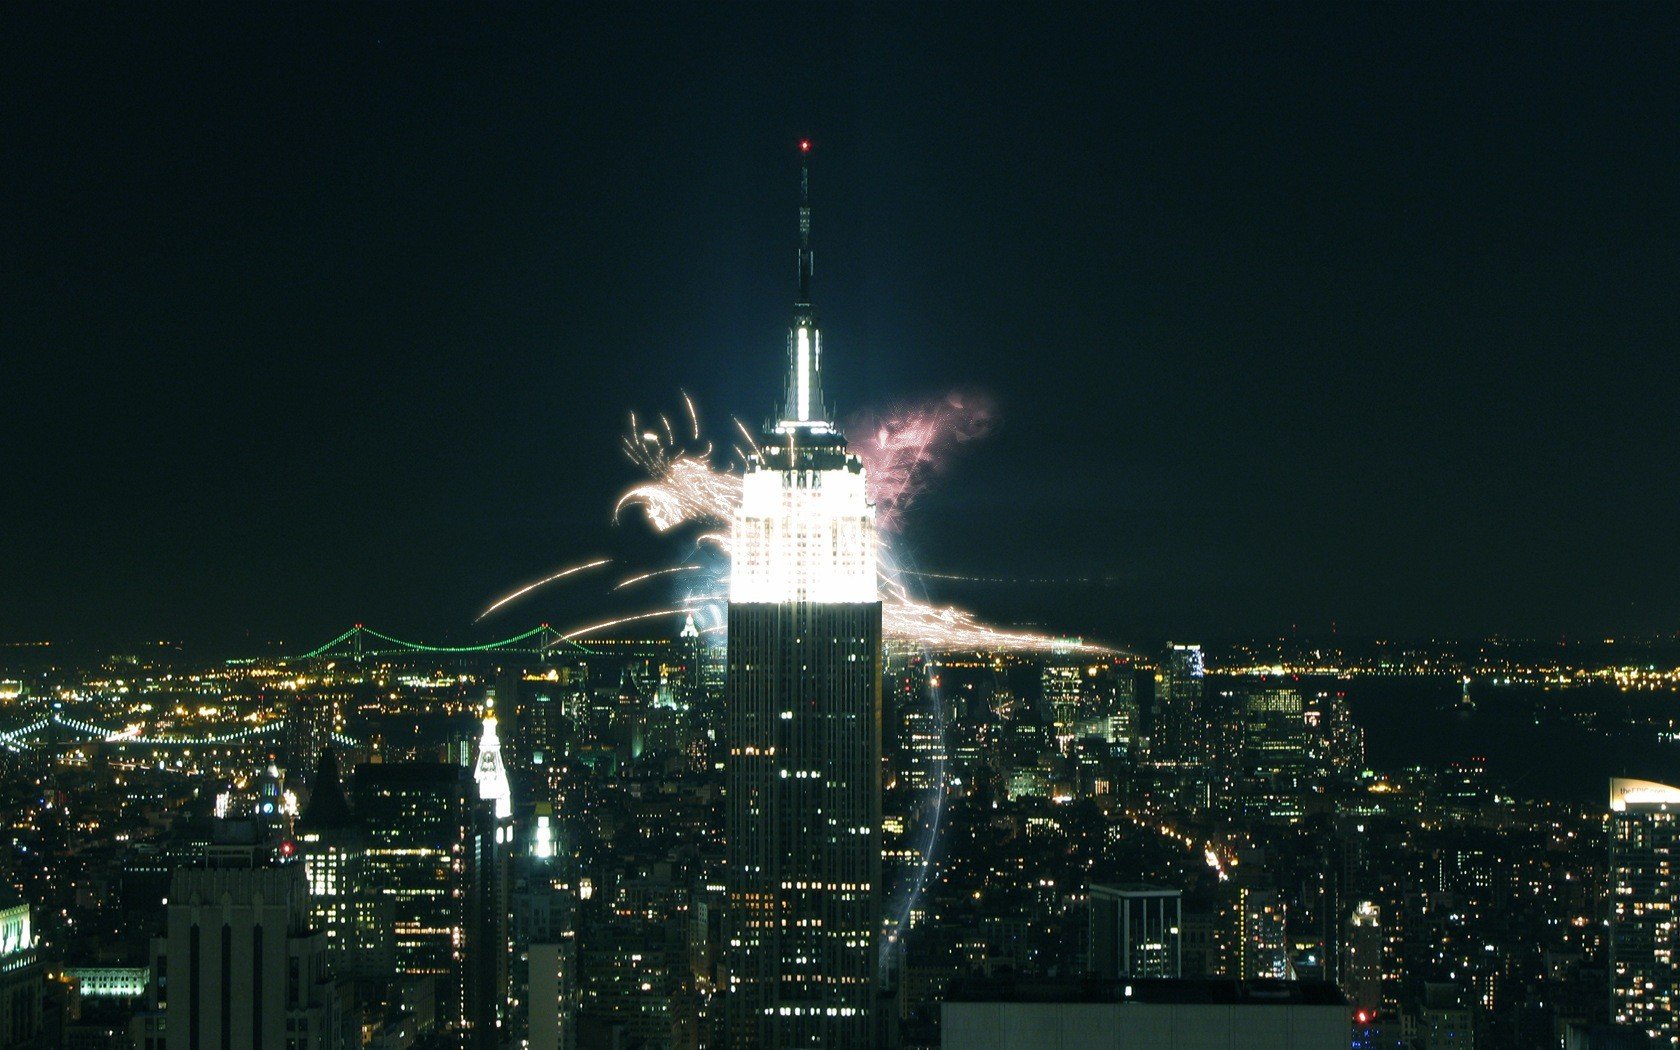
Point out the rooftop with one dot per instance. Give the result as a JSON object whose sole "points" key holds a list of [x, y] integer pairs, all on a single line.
{"points": [[1201, 990]]}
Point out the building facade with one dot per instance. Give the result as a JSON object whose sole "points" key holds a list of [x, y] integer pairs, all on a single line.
{"points": [[418, 817], [21, 977], [246, 971], [1644, 891], [804, 725], [1135, 931]]}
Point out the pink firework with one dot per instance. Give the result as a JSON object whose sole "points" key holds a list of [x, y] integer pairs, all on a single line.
{"points": [[903, 447], [902, 450]]}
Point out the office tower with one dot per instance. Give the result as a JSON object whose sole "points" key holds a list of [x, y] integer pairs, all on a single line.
{"points": [[545, 937], [333, 850], [1178, 743], [1644, 890], [544, 727], [1362, 959], [1252, 931], [1445, 1019], [919, 718], [311, 718], [21, 977], [1346, 740], [417, 817], [1134, 931], [245, 970], [1178, 703], [1275, 754], [804, 716], [1062, 686], [490, 844], [508, 694]]}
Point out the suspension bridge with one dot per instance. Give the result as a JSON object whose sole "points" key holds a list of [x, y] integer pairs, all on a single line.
{"points": [[360, 641], [59, 729]]}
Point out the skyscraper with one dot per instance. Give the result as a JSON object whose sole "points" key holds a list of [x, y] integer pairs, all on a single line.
{"points": [[248, 969], [1274, 753], [21, 976], [1134, 931], [1178, 703], [1644, 891], [1177, 742], [418, 817], [804, 718], [490, 843], [333, 849], [1362, 959]]}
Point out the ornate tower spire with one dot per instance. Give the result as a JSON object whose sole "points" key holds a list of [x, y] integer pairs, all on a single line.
{"points": [[489, 772], [804, 406]]}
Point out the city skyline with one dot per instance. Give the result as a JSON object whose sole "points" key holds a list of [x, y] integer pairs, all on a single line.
{"points": [[1359, 358], [1180, 558]]}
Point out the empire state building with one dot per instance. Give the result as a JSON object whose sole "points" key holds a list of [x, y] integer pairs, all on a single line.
{"points": [[804, 720]]}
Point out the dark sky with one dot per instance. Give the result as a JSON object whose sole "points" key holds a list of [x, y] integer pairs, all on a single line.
{"points": [[1294, 315]]}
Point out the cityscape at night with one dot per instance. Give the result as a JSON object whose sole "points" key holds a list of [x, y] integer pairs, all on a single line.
{"points": [[1193, 567]]}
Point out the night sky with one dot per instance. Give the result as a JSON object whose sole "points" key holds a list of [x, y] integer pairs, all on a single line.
{"points": [[1294, 316]]}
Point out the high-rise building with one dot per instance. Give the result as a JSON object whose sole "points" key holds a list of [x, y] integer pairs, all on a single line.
{"points": [[21, 977], [1134, 931], [546, 935], [1062, 684], [1177, 743], [245, 968], [1253, 930], [1275, 754], [1178, 702], [311, 719], [919, 744], [804, 719], [417, 817], [1644, 893], [356, 923], [1362, 959], [490, 846]]}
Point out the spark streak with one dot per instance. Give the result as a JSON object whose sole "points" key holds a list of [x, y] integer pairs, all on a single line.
{"points": [[693, 416], [592, 628], [632, 581], [528, 588], [904, 448]]}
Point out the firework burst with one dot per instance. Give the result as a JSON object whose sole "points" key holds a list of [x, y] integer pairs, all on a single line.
{"points": [[903, 449]]}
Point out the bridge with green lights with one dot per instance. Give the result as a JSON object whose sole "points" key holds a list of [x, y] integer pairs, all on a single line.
{"points": [[360, 640]]}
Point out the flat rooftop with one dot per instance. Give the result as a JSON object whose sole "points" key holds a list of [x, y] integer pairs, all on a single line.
{"points": [[1149, 990]]}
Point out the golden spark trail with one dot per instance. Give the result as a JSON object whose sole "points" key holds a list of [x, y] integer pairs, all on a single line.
{"points": [[693, 416], [621, 620], [533, 586], [632, 581]]}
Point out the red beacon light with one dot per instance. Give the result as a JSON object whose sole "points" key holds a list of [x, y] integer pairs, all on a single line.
{"points": [[804, 145]]}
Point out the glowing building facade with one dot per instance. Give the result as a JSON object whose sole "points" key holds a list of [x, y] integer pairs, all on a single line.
{"points": [[804, 718], [1644, 892]]}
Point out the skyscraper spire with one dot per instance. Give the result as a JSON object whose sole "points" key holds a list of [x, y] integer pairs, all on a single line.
{"points": [[807, 263], [490, 774], [804, 406]]}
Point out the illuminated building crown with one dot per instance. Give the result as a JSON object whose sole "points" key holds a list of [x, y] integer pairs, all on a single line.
{"points": [[804, 530], [488, 771]]}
